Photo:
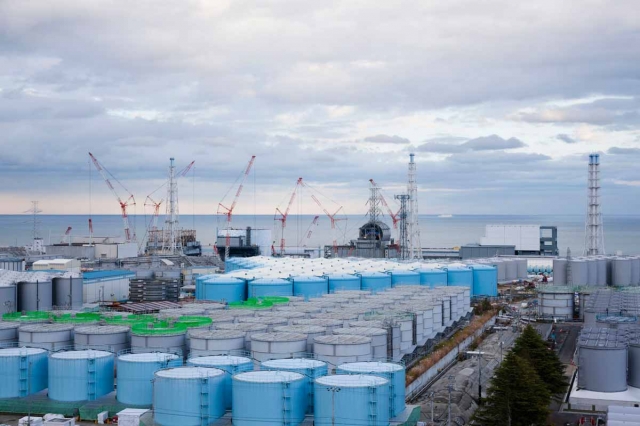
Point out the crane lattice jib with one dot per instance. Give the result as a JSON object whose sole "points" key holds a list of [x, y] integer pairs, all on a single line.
{"points": [[393, 216], [283, 216]]}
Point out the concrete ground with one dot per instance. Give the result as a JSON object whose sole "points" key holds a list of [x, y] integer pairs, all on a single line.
{"points": [[464, 395], [12, 420]]}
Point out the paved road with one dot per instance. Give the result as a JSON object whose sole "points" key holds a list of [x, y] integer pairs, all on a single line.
{"points": [[567, 338]]}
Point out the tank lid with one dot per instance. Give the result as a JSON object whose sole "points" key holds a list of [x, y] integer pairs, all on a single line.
{"points": [[268, 376], [21, 351], [102, 329], [294, 363], [264, 320], [148, 357], [278, 337], [300, 328], [88, 354], [244, 326], [342, 339], [4, 325], [280, 314], [323, 322], [46, 328], [219, 360], [217, 334], [361, 331], [352, 380], [371, 367], [189, 373]]}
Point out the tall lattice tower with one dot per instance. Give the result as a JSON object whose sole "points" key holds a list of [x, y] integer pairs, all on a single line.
{"points": [[413, 227], [594, 232], [404, 249], [171, 243], [374, 203]]}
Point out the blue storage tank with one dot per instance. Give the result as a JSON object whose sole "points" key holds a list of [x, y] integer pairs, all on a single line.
{"points": [[401, 277], [460, 276], [262, 287], [199, 280], [485, 280], [309, 287], [80, 375], [222, 288], [375, 281], [269, 398], [310, 368], [432, 277], [394, 373], [188, 396], [343, 282], [17, 380], [362, 400], [230, 364], [136, 372]]}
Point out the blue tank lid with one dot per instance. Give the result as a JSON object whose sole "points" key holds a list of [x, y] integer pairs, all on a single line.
{"points": [[341, 276], [373, 275], [223, 279], [403, 273], [308, 279], [270, 281], [482, 267], [430, 271]]}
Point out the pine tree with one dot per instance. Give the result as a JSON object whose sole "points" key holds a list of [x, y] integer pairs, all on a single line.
{"points": [[532, 348], [516, 396]]}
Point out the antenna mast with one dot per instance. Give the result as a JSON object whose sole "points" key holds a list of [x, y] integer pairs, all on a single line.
{"points": [[594, 231], [415, 247]]}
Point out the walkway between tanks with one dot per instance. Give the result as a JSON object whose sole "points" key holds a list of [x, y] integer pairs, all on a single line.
{"points": [[465, 386]]}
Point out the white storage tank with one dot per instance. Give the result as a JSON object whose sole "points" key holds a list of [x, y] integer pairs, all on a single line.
{"points": [[556, 304], [8, 333], [266, 346], [379, 339], [311, 331], [216, 342], [110, 338], [338, 349], [188, 396], [311, 369], [159, 337], [329, 324], [282, 315], [248, 328], [270, 322], [80, 375], [24, 371], [51, 337], [362, 400], [269, 398]]}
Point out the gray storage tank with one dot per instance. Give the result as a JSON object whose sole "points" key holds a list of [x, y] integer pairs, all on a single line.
{"points": [[51, 337], [602, 362], [67, 292], [621, 272], [35, 296], [559, 271], [579, 272], [110, 338], [633, 371], [8, 333], [8, 299]]}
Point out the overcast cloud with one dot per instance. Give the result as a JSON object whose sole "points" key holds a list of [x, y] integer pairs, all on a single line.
{"points": [[500, 101]]}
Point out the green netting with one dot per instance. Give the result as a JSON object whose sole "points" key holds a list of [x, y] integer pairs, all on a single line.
{"points": [[194, 321], [158, 328], [38, 404], [79, 318], [276, 300], [26, 316]]}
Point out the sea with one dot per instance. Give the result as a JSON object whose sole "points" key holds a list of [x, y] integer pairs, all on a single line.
{"points": [[621, 232]]}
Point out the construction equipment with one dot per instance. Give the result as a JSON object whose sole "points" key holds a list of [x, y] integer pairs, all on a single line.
{"points": [[228, 211], [332, 218], [307, 235], [394, 216], [67, 234], [283, 216], [130, 201]]}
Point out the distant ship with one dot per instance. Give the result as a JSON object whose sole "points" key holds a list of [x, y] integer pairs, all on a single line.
{"points": [[445, 216]]}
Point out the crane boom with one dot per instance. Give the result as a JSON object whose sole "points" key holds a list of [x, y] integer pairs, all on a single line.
{"points": [[307, 235], [228, 211], [129, 237], [283, 216], [184, 171], [394, 216], [332, 218]]}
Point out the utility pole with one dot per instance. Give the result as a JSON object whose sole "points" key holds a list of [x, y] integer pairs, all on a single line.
{"points": [[479, 355], [432, 396], [415, 247], [450, 388]]}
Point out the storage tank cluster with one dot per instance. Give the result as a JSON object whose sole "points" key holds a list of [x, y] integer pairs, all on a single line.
{"points": [[609, 359], [39, 291], [312, 278], [609, 303], [618, 271]]}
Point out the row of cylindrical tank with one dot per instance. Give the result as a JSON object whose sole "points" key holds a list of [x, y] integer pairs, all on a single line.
{"points": [[283, 391], [341, 327], [481, 279], [41, 295], [597, 271], [609, 359]]}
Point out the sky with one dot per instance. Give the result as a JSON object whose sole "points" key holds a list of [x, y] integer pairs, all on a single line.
{"points": [[500, 101]]}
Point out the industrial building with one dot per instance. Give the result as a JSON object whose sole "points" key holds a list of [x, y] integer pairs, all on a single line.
{"points": [[526, 239]]}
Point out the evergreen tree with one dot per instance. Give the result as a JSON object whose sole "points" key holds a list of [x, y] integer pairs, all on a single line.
{"points": [[516, 396], [532, 348]]}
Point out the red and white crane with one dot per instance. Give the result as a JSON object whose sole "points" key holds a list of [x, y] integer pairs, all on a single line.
{"points": [[283, 216], [228, 211], [130, 201], [332, 218], [68, 235], [394, 216], [307, 235]]}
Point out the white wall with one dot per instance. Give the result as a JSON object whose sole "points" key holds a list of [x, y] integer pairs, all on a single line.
{"points": [[127, 250], [112, 290], [524, 237]]}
